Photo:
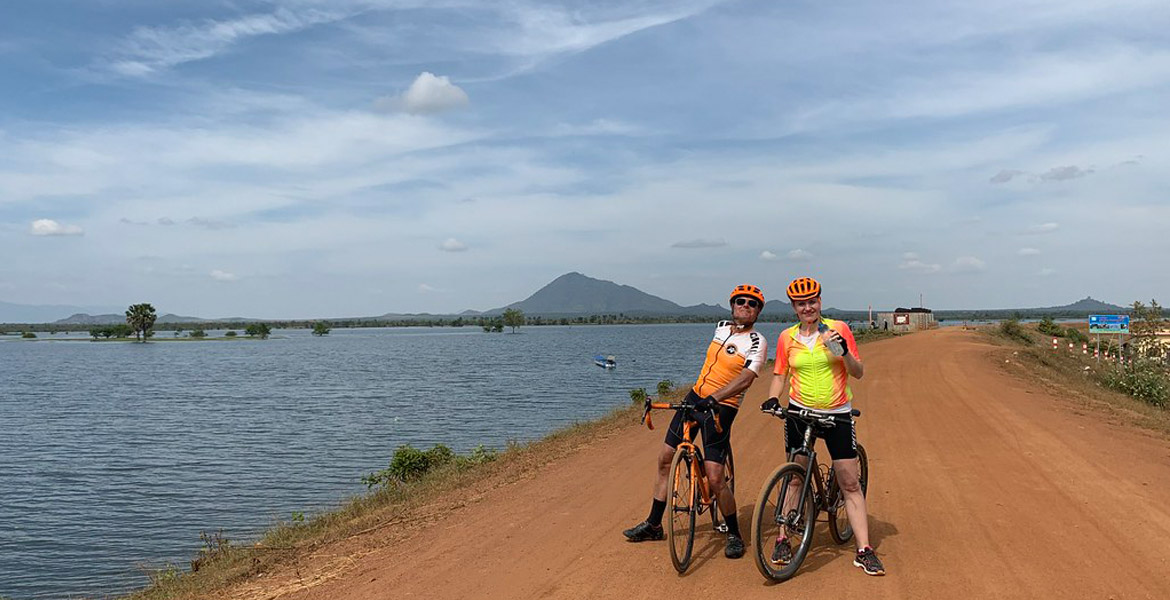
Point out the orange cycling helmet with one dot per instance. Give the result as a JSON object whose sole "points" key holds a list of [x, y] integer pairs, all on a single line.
{"points": [[803, 288], [748, 290]]}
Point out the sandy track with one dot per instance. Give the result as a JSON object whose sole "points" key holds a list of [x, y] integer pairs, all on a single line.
{"points": [[982, 486]]}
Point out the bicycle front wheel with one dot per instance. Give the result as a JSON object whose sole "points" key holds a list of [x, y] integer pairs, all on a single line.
{"points": [[680, 498], [783, 512], [839, 525]]}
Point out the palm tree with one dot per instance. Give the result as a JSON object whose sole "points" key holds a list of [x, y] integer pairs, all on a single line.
{"points": [[141, 318]]}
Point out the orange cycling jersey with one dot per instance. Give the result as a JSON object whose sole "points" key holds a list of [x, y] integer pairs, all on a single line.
{"points": [[729, 353], [817, 379]]}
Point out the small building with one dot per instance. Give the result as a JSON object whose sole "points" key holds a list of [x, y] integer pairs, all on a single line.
{"points": [[906, 319]]}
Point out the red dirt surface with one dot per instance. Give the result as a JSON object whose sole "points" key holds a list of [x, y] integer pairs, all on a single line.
{"points": [[981, 486]]}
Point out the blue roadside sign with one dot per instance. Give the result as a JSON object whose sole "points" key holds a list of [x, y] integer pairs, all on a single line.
{"points": [[1108, 323]]}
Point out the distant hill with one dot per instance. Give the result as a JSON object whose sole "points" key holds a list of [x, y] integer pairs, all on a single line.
{"points": [[577, 294], [112, 318], [1087, 305], [29, 313]]}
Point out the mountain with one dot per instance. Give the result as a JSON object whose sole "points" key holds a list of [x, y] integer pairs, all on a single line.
{"points": [[1087, 305], [29, 313], [577, 294], [115, 318]]}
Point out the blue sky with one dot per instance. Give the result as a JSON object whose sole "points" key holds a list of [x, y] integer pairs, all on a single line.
{"points": [[311, 158]]}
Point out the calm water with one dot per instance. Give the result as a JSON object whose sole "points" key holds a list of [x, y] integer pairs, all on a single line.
{"points": [[114, 456]]}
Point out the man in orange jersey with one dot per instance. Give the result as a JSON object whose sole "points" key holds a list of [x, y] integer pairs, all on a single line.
{"points": [[734, 359]]}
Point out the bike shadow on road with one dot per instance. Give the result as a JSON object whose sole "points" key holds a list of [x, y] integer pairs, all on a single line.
{"points": [[708, 545], [824, 550]]}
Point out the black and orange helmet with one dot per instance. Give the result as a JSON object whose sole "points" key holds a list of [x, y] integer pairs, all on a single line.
{"points": [[748, 290], [803, 288]]}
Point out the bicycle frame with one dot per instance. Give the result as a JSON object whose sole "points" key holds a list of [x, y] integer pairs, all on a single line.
{"points": [[820, 493], [698, 472]]}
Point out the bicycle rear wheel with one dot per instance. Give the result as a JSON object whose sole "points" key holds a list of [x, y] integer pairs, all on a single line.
{"points": [[771, 520], [680, 498], [839, 525], [729, 481]]}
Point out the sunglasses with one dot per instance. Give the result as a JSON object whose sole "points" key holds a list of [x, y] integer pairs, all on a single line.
{"points": [[751, 302]]}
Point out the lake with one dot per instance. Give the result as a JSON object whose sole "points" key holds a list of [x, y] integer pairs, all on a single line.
{"points": [[117, 455]]}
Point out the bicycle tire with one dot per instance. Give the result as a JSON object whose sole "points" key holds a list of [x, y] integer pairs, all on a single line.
{"points": [[680, 535], [766, 526], [839, 526], [728, 480]]}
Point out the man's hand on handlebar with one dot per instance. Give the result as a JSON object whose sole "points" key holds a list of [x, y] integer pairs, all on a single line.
{"points": [[771, 404], [706, 404]]}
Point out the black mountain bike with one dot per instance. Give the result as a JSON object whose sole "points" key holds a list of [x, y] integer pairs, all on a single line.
{"points": [[779, 513]]}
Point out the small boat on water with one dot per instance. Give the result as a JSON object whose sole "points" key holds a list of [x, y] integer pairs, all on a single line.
{"points": [[605, 362]]}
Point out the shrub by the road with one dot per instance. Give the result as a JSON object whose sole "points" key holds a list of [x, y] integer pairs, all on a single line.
{"points": [[411, 464], [1011, 329], [1145, 381]]}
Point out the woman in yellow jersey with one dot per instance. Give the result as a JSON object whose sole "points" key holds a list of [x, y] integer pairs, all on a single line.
{"points": [[814, 360]]}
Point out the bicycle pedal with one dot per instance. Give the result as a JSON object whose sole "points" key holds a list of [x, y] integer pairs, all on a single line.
{"points": [[721, 528]]}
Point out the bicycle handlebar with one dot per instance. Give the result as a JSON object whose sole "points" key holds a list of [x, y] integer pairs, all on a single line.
{"points": [[684, 405], [812, 416]]}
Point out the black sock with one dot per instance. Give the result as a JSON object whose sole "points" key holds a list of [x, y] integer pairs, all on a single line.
{"points": [[732, 525], [656, 511]]}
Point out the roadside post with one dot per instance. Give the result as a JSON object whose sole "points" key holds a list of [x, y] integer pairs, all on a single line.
{"points": [[1054, 344]]}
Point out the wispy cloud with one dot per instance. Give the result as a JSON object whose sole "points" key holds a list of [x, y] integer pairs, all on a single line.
{"points": [[219, 275], [1028, 252], [1006, 175], [699, 243], [212, 224], [1064, 173], [424, 288], [800, 254], [151, 49], [50, 227], [428, 94], [1043, 228], [768, 255]]}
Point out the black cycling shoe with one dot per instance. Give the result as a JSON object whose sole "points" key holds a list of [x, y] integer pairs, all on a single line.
{"points": [[735, 548], [644, 532]]}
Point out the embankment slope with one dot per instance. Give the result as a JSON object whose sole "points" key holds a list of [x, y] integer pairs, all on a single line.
{"points": [[982, 486]]}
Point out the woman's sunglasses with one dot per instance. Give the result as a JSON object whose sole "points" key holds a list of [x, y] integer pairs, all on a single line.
{"points": [[751, 302]]}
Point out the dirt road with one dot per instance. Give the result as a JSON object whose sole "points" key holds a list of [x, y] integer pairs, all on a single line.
{"points": [[981, 486]]}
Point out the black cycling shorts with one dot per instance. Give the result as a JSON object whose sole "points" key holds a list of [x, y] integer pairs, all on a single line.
{"points": [[840, 438], [715, 445]]}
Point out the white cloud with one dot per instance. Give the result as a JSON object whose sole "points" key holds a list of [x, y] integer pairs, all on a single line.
{"points": [[428, 94], [911, 262], [219, 275], [699, 243], [426, 289], [51, 227], [1046, 272], [967, 264], [800, 254], [767, 255], [1044, 228], [453, 245], [1028, 252]]}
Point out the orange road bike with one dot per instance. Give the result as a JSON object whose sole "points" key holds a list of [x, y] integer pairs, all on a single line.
{"points": [[688, 494], [780, 511]]}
